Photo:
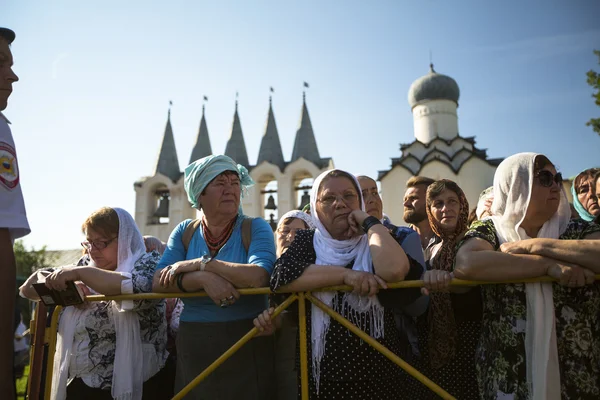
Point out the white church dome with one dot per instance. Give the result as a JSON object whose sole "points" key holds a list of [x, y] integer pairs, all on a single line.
{"points": [[433, 86]]}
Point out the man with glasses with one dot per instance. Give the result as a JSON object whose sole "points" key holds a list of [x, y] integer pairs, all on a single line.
{"points": [[13, 220]]}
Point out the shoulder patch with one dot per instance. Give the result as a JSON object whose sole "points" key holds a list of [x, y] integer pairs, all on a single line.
{"points": [[9, 169]]}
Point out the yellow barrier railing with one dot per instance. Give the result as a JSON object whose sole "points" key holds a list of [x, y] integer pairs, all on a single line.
{"points": [[51, 335]]}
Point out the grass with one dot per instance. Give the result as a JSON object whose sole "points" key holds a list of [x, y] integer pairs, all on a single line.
{"points": [[22, 385]]}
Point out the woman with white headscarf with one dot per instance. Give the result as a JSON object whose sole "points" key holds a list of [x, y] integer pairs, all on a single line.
{"points": [[539, 341], [108, 350], [347, 247]]}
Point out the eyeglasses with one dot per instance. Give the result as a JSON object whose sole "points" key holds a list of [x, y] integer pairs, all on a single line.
{"points": [[546, 178], [98, 244], [347, 198]]}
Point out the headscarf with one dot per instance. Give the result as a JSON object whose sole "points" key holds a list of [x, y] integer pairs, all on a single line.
{"points": [[483, 198], [513, 184], [583, 213], [128, 374], [201, 172], [442, 326], [307, 218], [330, 251]]}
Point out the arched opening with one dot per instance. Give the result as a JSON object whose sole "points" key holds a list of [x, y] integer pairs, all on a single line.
{"points": [[269, 201], [302, 184], [158, 205]]}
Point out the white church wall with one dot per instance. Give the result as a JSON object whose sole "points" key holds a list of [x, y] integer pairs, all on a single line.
{"points": [[179, 207], [393, 187], [435, 118]]}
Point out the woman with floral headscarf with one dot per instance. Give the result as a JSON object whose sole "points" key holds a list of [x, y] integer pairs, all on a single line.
{"points": [[448, 332], [539, 341], [347, 247], [114, 349], [218, 260]]}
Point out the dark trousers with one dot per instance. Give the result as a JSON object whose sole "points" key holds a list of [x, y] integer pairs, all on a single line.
{"points": [[155, 388], [248, 374]]}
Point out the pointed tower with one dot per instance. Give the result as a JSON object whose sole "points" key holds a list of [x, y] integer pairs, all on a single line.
{"points": [[202, 147], [305, 144], [270, 146], [236, 147], [167, 163]]}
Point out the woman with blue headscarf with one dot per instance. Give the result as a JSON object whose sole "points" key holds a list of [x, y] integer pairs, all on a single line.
{"points": [[216, 254], [584, 195]]}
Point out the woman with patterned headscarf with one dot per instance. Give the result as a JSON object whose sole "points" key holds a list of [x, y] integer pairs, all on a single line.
{"points": [[448, 332], [539, 341], [222, 251]]}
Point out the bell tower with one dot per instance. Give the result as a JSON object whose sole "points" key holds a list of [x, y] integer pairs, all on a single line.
{"points": [[161, 202]]}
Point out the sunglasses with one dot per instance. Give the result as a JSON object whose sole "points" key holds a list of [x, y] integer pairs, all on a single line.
{"points": [[546, 178]]}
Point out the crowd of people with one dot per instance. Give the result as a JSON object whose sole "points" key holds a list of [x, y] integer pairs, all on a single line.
{"points": [[538, 340]]}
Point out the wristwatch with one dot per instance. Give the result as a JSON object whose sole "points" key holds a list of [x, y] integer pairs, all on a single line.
{"points": [[369, 222], [205, 259]]}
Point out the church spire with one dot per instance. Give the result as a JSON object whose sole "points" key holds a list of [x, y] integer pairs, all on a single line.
{"points": [[167, 163], [236, 147], [270, 146], [202, 147], [305, 145]]}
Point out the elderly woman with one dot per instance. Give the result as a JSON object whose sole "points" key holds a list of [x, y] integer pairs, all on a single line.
{"points": [[290, 223], [347, 247], [112, 349], [219, 258], [448, 332], [539, 340], [584, 196]]}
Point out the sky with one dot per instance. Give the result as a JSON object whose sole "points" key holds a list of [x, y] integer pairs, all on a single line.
{"points": [[89, 112]]}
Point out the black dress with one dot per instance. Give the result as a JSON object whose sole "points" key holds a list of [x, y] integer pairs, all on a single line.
{"points": [[458, 376], [350, 368]]}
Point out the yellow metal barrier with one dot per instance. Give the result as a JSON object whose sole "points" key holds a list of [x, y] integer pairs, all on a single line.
{"points": [[301, 297]]}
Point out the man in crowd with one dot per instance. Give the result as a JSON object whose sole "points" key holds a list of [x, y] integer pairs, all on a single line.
{"points": [[13, 220], [415, 212], [409, 240]]}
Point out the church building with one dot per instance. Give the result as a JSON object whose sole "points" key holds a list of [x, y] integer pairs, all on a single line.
{"points": [[161, 201], [438, 150]]}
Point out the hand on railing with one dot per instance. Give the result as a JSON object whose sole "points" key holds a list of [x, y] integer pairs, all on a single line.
{"points": [[364, 283], [436, 280], [571, 275], [265, 324]]}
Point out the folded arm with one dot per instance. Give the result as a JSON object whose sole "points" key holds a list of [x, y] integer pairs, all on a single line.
{"points": [[389, 260], [585, 252], [477, 260]]}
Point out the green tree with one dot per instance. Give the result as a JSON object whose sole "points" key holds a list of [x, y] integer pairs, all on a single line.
{"points": [[29, 260], [593, 79]]}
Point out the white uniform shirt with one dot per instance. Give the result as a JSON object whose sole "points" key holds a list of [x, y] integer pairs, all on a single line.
{"points": [[12, 206]]}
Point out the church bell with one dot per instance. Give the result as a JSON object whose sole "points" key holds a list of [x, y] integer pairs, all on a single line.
{"points": [[305, 200], [271, 203], [163, 206]]}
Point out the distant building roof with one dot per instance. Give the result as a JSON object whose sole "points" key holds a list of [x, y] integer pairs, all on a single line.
{"points": [[433, 86]]}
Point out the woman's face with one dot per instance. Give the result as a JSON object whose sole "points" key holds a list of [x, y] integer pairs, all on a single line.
{"points": [[445, 209], [222, 195], [337, 198], [287, 232], [544, 200], [105, 257], [586, 194]]}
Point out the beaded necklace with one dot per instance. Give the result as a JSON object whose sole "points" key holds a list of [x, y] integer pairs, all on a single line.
{"points": [[215, 243]]}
